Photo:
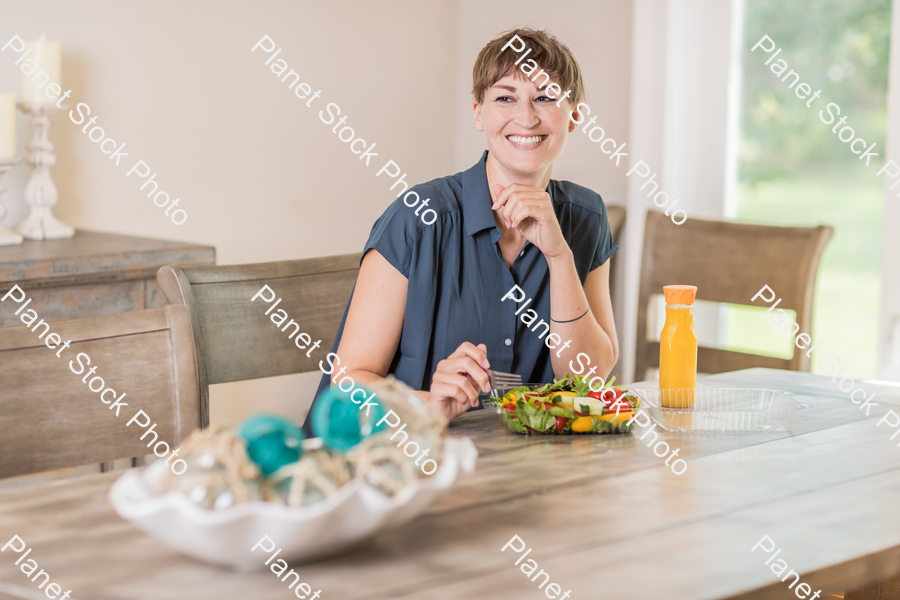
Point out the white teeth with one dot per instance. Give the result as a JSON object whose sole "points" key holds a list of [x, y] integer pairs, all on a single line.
{"points": [[525, 141]]}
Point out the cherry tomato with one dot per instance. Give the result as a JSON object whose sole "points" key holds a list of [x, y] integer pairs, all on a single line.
{"points": [[620, 405], [605, 396], [609, 396], [622, 401], [561, 423]]}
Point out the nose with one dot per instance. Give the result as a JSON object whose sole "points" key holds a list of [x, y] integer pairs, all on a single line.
{"points": [[526, 116]]}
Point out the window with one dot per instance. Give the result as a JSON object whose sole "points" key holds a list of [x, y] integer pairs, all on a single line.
{"points": [[793, 170]]}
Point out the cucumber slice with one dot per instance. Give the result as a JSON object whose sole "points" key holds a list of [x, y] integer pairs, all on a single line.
{"points": [[588, 406]]}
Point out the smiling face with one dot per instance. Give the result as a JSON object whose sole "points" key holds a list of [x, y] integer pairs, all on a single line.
{"points": [[526, 132]]}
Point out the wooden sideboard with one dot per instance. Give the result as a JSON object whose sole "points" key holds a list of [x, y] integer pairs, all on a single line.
{"points": [[92, 274]]}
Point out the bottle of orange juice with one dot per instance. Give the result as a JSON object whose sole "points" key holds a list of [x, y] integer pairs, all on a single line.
{"points": [[678, 348]]}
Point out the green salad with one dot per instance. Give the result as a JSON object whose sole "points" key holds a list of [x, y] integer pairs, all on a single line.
{"points": [[568, 406]]}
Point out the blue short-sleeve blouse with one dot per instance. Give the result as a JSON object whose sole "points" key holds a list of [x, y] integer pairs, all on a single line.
{"points": [[457, 275]]}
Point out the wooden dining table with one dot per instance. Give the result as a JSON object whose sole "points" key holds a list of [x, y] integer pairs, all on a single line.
{"points": [[602, 515]]}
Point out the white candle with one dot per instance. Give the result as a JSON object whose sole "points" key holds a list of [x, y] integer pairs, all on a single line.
{"points": [[40, 71], [7, 125]]}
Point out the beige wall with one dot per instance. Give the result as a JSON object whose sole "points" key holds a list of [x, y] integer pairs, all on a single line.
{"points": [[261, 177]]}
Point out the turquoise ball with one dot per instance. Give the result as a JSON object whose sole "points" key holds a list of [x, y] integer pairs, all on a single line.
{"points": [[338, 420], [272, 442]]}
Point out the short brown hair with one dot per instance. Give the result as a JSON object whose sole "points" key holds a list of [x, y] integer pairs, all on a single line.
{"points": [[551, 55]]}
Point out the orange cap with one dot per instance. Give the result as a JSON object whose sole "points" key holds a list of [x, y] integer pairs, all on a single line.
{"points": [[679, 294]]}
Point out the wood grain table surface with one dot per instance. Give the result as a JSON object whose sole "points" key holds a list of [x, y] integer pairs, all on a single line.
{"points": [[603, 515]]}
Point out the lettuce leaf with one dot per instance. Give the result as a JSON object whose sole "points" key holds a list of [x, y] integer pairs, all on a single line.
{"points": [[513, 423]]}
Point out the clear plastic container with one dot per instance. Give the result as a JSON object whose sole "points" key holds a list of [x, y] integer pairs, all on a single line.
{"points": [[721, 409]]}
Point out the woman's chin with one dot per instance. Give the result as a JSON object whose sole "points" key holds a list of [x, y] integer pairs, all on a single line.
{"points": [[525, 163]]}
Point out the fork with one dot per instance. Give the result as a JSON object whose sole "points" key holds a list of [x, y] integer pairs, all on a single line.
{"points": [[501, 380]]}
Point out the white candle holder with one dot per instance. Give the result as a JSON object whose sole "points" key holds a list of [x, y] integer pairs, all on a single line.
{"points": [[7, 236], [40, 192]]}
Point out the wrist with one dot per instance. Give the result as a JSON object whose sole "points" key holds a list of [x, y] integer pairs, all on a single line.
{"points": [[562, 257]]}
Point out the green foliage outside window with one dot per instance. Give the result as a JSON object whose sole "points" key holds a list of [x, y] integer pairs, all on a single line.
{"points": [[838, 46], [795, 171]]}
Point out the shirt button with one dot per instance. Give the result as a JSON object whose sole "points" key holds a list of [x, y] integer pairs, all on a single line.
{"points": [[523, 253], [508, 342]]}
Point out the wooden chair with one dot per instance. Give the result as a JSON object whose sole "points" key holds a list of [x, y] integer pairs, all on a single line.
{"points": [[616, 214], [50, 419], [729, 262], [889, 589], [235, 339]]}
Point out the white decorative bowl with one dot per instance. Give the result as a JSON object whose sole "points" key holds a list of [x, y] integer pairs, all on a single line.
{"points": [[355, 512]]}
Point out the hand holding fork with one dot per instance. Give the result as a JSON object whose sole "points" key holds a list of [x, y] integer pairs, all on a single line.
{"points": [[459, 378]]}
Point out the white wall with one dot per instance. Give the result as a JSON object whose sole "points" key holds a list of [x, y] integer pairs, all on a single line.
{"points": [[678, 126], [648, 87], [889, 339], [261, 177], [697, 64]]}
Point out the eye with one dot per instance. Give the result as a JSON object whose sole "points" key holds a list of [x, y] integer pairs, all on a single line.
{"points": [[503, 99], [544, 98]]}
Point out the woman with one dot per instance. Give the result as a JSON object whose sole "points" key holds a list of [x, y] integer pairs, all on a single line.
{"points": [[427, 304]]}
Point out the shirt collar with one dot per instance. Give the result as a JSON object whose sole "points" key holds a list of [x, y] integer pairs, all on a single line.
{"points": [[477, 198]]}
